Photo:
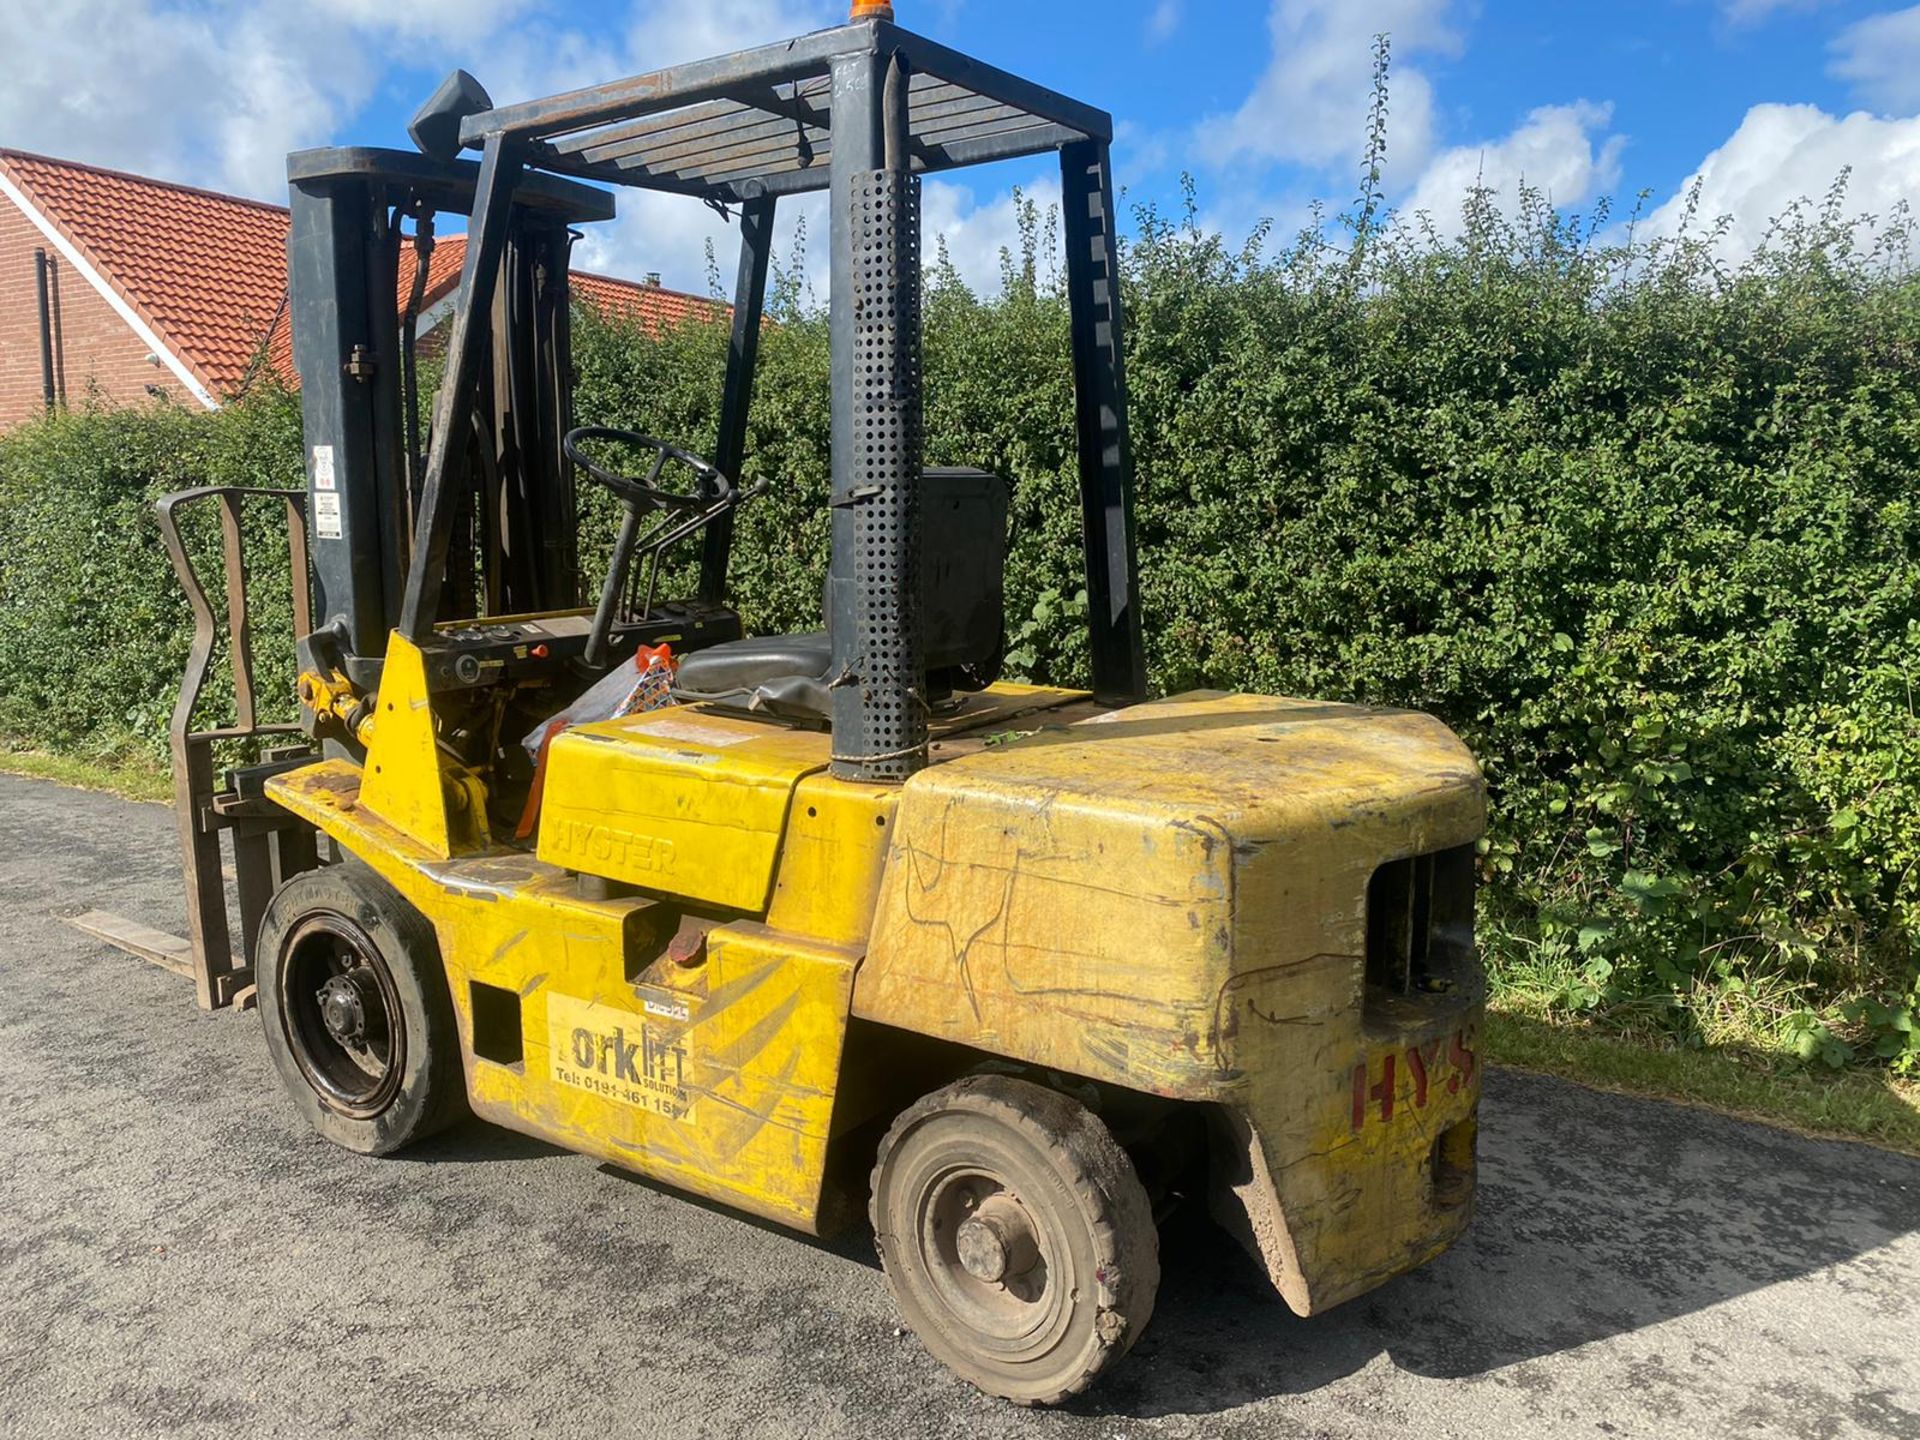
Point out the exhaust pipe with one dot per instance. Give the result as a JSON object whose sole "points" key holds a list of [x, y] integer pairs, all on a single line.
{"points": [[878, 682]]}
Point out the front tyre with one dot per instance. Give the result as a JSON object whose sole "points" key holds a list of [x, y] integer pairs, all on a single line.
{"points": [[358, 1020], [1016, 1237]]}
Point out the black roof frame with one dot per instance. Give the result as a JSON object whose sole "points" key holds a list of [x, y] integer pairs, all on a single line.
{"points": [[759, 122]]}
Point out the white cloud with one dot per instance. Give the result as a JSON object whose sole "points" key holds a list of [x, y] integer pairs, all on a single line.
{"points": [[1559, 150], [1165, 20], [527, 60], [976, 232], [217, 93], [1785, 153], [447, 22], [656, 232], [669, 234], [1880, 56], [666, 32], [1310, 106], [196, 93]]}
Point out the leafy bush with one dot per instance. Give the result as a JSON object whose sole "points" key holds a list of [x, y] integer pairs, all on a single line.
{"points": [[94, 629], [1640, 526]]}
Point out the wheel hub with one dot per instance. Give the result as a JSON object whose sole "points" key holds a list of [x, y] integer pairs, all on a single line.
{"points": [[343, 1008], [996, 1242]]}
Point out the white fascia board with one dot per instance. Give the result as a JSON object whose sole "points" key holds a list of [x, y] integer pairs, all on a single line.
{"points": [[71, 253]]}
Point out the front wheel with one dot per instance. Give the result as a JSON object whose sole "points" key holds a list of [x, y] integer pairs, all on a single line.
{"points": [[1016, 1237], [358, 1020]]}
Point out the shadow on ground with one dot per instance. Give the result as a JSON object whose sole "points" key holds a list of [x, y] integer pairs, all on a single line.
{"points": [[1597, 1216]]}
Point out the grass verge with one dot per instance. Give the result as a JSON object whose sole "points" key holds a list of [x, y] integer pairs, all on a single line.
{"points": [[1843, 1105], [131, 780]]}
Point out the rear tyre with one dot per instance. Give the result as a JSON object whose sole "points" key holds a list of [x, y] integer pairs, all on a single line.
{"points": [[358, 1020], [1016, 1237]]}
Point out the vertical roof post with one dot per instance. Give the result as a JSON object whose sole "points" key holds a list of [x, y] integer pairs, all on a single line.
{"points": [[877, 680], [466, 349], [743, 358], [1106, 447]]}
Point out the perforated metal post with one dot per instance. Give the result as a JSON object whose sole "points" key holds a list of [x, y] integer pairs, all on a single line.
{"points": [[877, 682]]}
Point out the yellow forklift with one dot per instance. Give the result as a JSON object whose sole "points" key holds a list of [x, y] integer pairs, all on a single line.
{"points": [[1036, 961]]}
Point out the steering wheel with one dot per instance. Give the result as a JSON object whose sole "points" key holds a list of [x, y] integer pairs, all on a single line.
{"points": [[648, 492]]}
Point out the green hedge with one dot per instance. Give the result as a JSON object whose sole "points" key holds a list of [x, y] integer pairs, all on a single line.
{"points": [[94, 629], [1641, 527]]}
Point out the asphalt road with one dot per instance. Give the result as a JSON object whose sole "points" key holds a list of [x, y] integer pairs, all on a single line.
{"points": [[179, 1257]]}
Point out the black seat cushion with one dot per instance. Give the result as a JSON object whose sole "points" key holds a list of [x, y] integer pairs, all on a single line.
{"points": [[784, 675], [962, 581]]}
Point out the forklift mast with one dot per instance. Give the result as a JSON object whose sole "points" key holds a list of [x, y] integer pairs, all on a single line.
{"points": [[355, 212]]}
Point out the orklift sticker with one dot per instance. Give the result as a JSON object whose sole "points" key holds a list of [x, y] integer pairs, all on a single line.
{"points": [[619, 1055], [1438, 1066]]}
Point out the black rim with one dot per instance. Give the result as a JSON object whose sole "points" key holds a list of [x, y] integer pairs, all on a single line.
{"points": [[341, 1015]]}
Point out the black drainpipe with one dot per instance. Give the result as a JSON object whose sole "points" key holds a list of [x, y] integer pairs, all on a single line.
{"points": [[41, 269]]}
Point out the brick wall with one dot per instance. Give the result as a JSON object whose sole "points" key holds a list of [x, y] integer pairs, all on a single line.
{"points": [[95, 348]]}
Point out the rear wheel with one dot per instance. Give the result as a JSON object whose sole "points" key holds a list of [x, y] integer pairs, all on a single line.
{"points": [[357, 1016], [1016, 1237]]}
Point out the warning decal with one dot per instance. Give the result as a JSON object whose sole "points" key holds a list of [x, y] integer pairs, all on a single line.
{"points": [[326, 515]]}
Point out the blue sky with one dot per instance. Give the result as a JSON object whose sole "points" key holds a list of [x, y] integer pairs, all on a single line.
{"points": [[1261, 100]]}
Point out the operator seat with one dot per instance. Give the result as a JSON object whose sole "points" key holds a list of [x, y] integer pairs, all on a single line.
{"points": [[963, 561]]}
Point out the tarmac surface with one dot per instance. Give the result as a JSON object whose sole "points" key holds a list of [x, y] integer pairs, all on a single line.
{"points": [[178, 1256]]}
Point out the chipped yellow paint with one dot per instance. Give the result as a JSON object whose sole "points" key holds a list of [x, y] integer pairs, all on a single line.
{"points": [[1172, 898], [1169, 898], [751, 1037], [830, 866], [410, 784], [680, 801]]}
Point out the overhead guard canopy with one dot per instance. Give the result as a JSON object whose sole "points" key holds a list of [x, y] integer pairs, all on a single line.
{"points": [[759, 122], [860, 109]]}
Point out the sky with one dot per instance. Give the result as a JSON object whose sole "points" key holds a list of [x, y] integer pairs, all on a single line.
{"points": [[1262, 102]]}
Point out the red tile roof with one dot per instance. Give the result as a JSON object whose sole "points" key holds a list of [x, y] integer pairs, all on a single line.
{"points": [[443, 273], [652, 305], [208, 272]]}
